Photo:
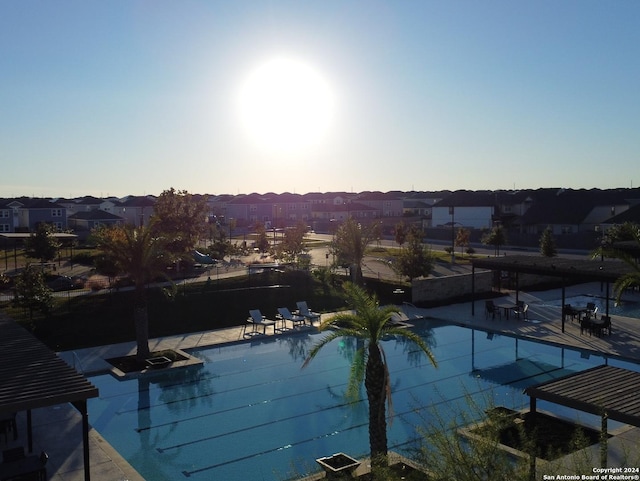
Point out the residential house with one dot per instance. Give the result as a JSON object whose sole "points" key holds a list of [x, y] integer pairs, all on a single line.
{"points": [[341, 212], [7, 217], [568, 211], [217, 205], [87, 220], [24, 214], [475, 210], [136, 210], [385, 204]]}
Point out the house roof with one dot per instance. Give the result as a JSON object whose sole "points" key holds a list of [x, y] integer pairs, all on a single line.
{"points": [[95, 214], [348, 207], [630, 215], [138, 201], [568, 206], [466, 198], [369, 196]]}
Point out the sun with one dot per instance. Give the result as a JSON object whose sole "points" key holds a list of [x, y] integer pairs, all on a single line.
{"points": [[286, 105]]}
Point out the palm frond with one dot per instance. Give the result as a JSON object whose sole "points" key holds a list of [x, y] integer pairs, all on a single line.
{"points": [[415, 338], [323, 342], [356, 374]]}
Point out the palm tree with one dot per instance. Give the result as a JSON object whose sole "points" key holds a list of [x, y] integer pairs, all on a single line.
{"points": [[629, 257], [369, 324], [138, 253]]}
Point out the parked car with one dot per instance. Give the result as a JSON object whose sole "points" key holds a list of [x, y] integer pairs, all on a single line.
{"points": [[64, 283]]}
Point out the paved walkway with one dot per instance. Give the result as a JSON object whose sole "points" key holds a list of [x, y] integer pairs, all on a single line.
{"points": [[57, 429]]}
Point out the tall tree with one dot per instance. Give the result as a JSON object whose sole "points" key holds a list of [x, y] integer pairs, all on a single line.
{"points": [[462, 239], [400, 233], [292, 244], [369, 323], [416, 260], [41, 244], [31, 291], [350, 243], [262, 242], [548, 243], [496, 237], [181, 219], [140, 253], [621, 232]]}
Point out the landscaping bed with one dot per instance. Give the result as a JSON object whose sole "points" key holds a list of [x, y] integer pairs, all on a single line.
{"points": [[131, 364], [554, 437]]}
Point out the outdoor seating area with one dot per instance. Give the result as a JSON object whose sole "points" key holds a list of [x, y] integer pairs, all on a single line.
{"points": [[519, 309], [298, 318], [594, 326], [16, 465], [490, 309]]}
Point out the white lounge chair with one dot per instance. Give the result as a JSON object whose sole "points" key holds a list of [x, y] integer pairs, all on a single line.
{"points": [[399, 319], [303, 310], [286, 315], [257, 319]]}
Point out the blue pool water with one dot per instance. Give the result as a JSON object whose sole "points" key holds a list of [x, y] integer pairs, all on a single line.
{"points": [[251, 413]]}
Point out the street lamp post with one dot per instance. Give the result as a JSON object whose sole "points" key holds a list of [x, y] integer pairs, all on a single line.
{"points": [[453, 234]]}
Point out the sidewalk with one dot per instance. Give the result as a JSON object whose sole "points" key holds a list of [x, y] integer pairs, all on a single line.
{"points": [[57, 429]]}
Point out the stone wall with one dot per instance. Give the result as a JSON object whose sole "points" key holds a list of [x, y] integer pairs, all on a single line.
{"points": [[449, 288]]}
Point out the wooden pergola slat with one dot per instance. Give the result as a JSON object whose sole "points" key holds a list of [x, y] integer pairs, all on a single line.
{"points": [[32, 376], [606, 391]]}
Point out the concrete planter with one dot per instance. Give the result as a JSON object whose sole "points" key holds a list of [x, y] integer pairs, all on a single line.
{"points": [[338, 465], [157, 362]]}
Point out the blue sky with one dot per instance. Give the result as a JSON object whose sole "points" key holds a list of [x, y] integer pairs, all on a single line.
{"points": [[135, 97]]}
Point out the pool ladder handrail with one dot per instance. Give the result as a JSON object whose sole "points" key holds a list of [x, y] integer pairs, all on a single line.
{"points": [[77, 358]]}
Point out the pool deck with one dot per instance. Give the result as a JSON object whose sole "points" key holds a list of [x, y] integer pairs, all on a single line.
{"points": [[57, 429]]}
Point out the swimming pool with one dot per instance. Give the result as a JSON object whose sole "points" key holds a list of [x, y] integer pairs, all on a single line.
{"points": [[250, 412]]}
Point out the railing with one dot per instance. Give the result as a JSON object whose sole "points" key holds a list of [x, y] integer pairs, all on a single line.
{"points": [[77, 358]]}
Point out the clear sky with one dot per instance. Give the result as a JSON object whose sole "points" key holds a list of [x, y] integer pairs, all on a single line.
{"points": [[134, 97]]}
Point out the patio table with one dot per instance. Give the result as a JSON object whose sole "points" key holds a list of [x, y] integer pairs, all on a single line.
{"points": [[506, 308]]}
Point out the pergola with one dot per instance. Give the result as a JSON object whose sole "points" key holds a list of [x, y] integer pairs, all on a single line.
{"points": [[22, 236], [568, 269], [32, 376], [607, 391]]}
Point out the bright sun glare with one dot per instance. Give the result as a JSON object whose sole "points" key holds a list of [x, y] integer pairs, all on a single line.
{"points": [[285, 105]]}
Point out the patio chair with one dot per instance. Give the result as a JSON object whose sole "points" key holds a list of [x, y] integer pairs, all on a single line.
{"points": [[568, 310], [303, 310], [586, 325], [522, 310], [606, 324], [8, 425], [286, 315], [491, 308], [13, 454], [257, 319]]}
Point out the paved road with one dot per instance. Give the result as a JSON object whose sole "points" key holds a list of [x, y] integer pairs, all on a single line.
{"points": [[373, 266]]}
